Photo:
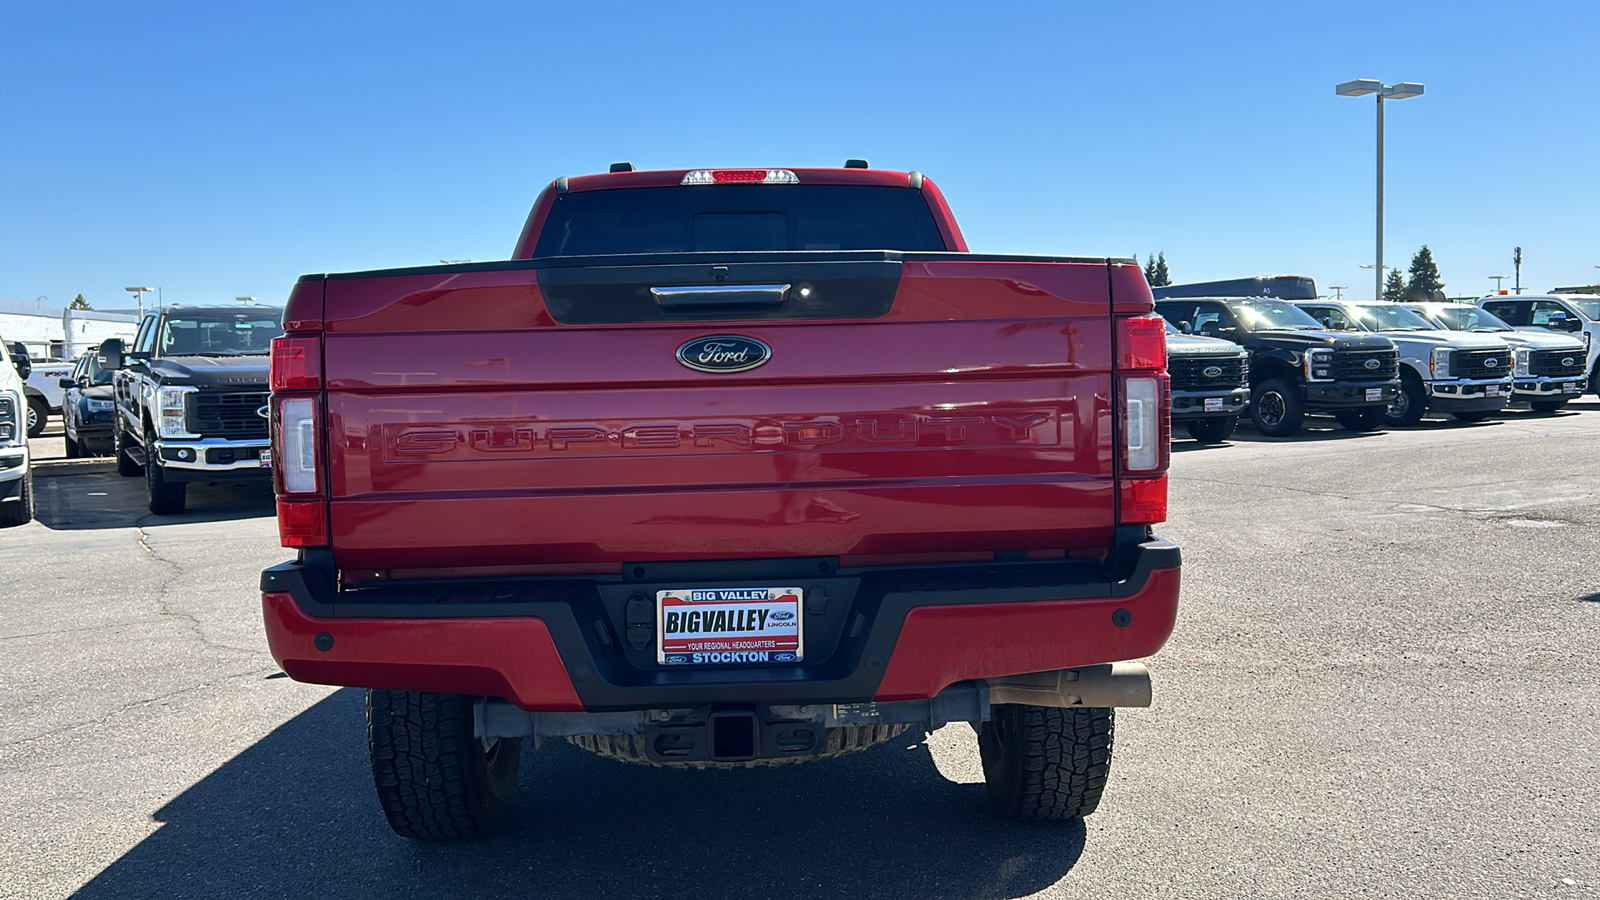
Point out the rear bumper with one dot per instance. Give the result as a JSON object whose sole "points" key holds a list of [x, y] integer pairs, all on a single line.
{"points": [[885, 634]]}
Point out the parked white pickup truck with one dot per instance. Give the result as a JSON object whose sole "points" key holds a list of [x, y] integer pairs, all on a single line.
{"points": [[44, 392], [1465, 375], [1575, 314], [16, 475], [1549, 368]]}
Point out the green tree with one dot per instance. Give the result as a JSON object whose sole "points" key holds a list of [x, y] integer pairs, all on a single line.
{"points": [[79, 303], [1425, 281], [1155, 270], [1394, 290]]}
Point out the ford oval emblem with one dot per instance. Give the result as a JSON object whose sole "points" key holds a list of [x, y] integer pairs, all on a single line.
{"points": [[1212, 371], [264, 412], [724, 353], [1372, 364], [1567, 360], [1491, 362]]}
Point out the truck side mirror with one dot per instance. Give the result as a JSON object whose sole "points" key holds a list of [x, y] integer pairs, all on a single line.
{"points": [[110, 354], [1186, 327], [21, 359], [67, 383]]}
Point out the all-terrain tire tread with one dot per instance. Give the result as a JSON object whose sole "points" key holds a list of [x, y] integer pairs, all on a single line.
{"points": [[426, 766], [1062, 760]]}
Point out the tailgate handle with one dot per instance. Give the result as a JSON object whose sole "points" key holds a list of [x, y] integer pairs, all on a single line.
{"points": [[720, 295]]}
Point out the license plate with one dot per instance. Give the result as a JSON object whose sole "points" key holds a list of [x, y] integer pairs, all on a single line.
{"points": [[1213, 404], [1570, 387], [1491, 390], [1374, 393], [729, 626], [266, 457]]}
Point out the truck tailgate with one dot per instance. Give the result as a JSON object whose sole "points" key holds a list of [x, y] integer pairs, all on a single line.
{"points": [[489, 416]]}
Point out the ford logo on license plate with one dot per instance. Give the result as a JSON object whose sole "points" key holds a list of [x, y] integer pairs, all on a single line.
{"points": [[724, 353]]}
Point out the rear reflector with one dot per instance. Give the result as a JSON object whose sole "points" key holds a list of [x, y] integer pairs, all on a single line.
{"points": [[1142, 343], [296, 364], [740, 176], [302, 523], [1144, 500]]}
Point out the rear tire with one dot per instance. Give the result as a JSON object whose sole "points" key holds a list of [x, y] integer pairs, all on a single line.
{"points": [[1365, 418], [19, 512], [1470, 416], [38, 415], [436, 780], [1547, 406], [1213, 430], [1277, 408], [126, 467], [1046, 764], [1410, 402], [166, 498]]}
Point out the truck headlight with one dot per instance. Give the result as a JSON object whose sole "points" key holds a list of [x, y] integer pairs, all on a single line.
{"points": [[97, 405], [8, 417], [171, 405], [1319, 365], [1522, 356], [1440, 364]]}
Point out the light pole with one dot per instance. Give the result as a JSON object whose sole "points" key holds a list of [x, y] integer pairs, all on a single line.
{"points": [[1516, 260], [1497, 279], [138, 294], [1338, 290], [1361, 87]]}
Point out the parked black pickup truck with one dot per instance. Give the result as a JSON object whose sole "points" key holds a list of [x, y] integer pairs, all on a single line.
{"points": [[1210, 384], [191, 398], [1295, 365]]}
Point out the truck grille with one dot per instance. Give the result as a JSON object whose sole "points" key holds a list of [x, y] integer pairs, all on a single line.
{"points": [[1548, 363], [1189, 372], [1351, 365], [228, 414], [1480, 364]]}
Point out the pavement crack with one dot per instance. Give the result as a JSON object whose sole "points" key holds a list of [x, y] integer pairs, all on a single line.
{"points": [[166, 586], [137, 704]]}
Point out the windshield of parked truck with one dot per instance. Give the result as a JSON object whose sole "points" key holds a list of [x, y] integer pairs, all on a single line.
{"points": [[1272, 315], [1463, 318], [91, 369], [1389, 317], [719, 218], [1589, 308], [220, 334]]}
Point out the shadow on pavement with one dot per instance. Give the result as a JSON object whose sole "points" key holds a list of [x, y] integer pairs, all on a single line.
{"points": [[108, 500], [295, 815]]}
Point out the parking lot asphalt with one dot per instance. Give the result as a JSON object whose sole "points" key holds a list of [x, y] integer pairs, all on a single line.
{"points": [[1384, 683]]}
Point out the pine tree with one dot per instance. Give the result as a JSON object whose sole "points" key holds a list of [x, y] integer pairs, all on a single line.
{"points": [[1424, 276], [1394, 290], [1149, 270], [79, 303], [1163, 278]]}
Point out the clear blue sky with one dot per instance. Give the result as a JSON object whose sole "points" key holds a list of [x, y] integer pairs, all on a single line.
{"points": [[223, 149]]}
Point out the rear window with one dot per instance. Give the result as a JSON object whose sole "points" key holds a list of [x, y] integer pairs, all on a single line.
{"points": [[716, 218]]}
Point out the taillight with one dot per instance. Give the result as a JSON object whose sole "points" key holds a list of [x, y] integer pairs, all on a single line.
{"points": [[1144, 500], [740, 176], [1146, 449], [1142, 444], [297, 465], [296, 364], [1142, 343]]}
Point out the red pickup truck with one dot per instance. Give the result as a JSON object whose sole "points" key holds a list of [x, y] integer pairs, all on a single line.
{"points": [[724, 467]]}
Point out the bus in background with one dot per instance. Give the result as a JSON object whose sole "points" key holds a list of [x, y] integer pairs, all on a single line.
{"points": [[1283, 287]]}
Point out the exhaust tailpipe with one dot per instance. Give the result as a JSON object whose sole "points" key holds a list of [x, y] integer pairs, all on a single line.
{"points": [[1113, 684]]}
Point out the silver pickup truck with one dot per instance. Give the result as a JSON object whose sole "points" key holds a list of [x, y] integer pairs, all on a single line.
{"points": [[1548, 368], [1465, 375]]}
